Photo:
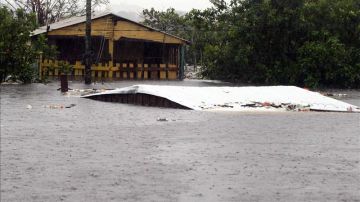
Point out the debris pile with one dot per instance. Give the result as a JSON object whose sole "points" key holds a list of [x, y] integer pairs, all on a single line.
{"points": [[285, 106], [335, 94]]}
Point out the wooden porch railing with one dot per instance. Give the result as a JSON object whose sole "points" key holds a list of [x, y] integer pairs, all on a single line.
{"points": [[119, 71]]}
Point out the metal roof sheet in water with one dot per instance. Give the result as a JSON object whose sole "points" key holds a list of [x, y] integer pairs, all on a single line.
{"points": [[240, 98]]}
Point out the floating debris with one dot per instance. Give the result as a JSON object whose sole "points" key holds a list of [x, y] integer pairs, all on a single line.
{"points": [[162, 119], [54, 106], [59, 106], [335, 94], [10, 83], [286, 106], [70, 106]]}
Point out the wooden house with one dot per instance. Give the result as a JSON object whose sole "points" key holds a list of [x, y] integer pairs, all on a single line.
{"points": [[122, 49]]}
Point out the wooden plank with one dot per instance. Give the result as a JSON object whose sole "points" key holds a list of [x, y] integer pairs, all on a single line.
{"points": [[105, 27], [125, 75], [162, 71], [100, 27], [145, 72], [154, 75], [172, 75], [139, 71], [131, 30], [139, 74]]}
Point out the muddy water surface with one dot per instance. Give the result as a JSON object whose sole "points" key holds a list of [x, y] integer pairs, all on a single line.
{"points": [[99, 151]]}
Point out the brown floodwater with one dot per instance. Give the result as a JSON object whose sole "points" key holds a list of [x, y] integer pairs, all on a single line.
{"points": [[97, 151]]}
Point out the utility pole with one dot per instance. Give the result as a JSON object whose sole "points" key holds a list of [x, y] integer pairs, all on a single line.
{"points": [[88, 55]]}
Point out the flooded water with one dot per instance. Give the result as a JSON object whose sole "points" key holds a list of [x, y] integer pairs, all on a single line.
{"points": [[98, 151]]}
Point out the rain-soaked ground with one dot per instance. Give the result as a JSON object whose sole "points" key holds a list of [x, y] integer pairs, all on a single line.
{"points": [[99, 151]]}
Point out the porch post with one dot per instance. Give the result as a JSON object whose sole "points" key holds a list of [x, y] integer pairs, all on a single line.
{"points": [[111, 52]]}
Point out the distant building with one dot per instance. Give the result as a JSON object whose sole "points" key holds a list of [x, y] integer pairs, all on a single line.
{"points": [[122, 49]]}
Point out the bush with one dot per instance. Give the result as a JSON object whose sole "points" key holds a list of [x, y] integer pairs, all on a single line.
{"points": [[18, 52], [300, 42]]}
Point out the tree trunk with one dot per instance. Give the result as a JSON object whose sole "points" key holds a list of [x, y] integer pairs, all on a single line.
{"points": [[201, 59], [88, 54], [195, 60], [194, 50], [64, 83]]}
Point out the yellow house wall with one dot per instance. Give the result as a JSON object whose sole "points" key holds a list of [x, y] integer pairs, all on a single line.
{"points": [[123, 71], [134, 31], [105, 27], [99, 27]]}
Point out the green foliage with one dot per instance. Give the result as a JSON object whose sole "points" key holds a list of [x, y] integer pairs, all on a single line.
{"points": [[169, 21], [47, 51], [313, 43], [18, 54], [65, 68], [302, 42], [26, 75], [172, 22]]}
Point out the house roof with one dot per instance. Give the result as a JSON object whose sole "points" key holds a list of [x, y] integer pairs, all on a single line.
{"points": [[81, 19], [239, 98]]}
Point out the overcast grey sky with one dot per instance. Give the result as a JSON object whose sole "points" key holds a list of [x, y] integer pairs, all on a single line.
{"points": [[132, 8], [138, 5]]}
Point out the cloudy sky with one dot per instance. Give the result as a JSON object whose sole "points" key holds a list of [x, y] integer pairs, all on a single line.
{"points": [[132, 8], [136, 5]]}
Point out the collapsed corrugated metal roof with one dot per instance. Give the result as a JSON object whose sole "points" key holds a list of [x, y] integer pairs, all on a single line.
{"points": [[81, 19], [276, 98]]}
